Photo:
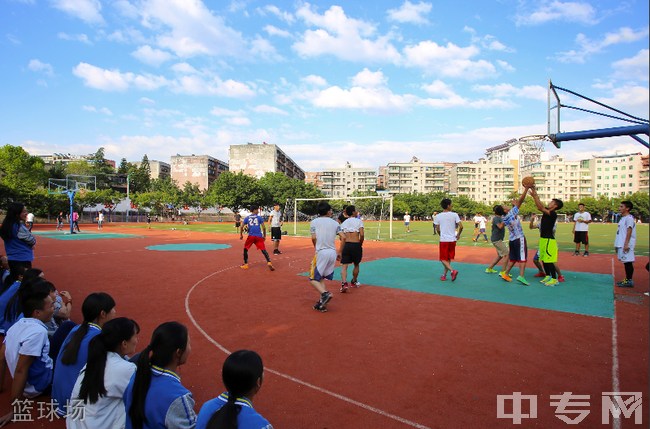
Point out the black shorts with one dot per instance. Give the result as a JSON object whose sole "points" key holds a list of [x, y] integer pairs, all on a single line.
{"points": [[352, 253], [237, 224], [276, 233], [581, 237]]}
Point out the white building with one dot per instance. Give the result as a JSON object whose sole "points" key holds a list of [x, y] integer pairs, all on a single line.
{"points": [[343, 182], [258, 159], [484, 182], [618, 175], [201, 170], [158, 169], [417, 176]]}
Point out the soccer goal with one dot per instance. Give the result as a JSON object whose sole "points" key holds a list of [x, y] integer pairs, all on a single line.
{"points": [[375, 211]]}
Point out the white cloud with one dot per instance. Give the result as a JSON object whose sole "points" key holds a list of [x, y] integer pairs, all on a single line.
{"points": [[114, 80], [264, 108], [146, 101], [192, 29], [410, 13], [40, 67], [342, 37], [533, 92], [88, 11], [368, 79], [103, 110], [197, 85], [372, 99], [220, 111], [274, 10], [263, 49], [635, 68], [184, 68], [589, 47], [579, 12], [151, 56], [449, 61], [275, 31], [74, 37], [239, 121], [314, 80]]}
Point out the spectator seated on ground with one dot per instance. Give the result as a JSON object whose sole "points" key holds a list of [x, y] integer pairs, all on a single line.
{"points": [[27, 347]]}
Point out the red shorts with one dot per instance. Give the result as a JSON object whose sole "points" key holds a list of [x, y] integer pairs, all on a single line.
{"points": [[447, 250], [258, 241]]}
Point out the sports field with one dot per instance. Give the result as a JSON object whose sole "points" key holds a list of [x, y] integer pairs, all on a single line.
{"points": [[601, 235], [404, 350]]}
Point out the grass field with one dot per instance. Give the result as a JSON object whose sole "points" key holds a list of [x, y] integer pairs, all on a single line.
{"points": [[601, 235]]}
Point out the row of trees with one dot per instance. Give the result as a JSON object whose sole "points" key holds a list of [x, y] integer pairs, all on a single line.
{"points": [[25, 178]]}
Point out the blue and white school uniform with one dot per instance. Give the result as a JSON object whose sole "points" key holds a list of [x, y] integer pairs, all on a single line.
{"points": [[4, 301], [108, 411], [247, 418], [28, 337], [66, 375], [168, 403]]}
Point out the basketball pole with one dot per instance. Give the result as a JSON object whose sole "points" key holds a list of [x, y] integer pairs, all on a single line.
{"points": [[71, 193]]}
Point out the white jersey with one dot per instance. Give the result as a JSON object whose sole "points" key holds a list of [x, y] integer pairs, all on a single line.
{"points": [[447, 222], [584, 216], [624, 224], [352, 224], [481, 221], [276, 218], [407, 218], [325, 229]]}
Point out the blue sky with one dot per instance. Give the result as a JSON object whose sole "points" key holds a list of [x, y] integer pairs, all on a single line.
{"points": [[369, 82]]}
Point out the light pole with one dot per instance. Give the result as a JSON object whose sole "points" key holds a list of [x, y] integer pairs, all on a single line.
{"points": [[128, 208]]}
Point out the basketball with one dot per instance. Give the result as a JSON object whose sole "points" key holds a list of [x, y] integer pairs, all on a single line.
{"points": [[528, 182]]}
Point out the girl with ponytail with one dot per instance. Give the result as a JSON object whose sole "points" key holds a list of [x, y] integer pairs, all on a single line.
{"points": [[242, 376], [155, 397], [97, 309], [101, 384]]}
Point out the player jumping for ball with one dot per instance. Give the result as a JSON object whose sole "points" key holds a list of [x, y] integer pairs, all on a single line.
{"points": [[256, 235]]}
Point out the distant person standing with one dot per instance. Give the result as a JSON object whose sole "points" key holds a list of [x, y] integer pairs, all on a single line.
{"points": [[323, 231], [407, 221], [352, 236], [29, 221], [75, 222], [581, 220], [59, 221], [481, 221], [447, 222], [256, 235], [237, 221], [100, 220], [275, 219], [433, 219], [148, 220], [625, 241]]}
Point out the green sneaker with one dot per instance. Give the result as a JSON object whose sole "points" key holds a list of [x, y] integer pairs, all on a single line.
{"points": [[523, 281], [490, 271], [546, 279], [551, 282]]}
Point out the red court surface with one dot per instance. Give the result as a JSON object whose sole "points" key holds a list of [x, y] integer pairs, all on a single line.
{"points": [[381, 357]]}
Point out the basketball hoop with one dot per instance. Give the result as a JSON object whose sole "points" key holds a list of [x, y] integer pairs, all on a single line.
{"points": [[534, 137]]}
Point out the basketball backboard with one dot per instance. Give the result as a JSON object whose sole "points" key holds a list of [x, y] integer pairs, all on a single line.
{"points": [[553, 114]]}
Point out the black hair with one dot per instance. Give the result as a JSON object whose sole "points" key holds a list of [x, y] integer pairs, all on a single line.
{"points": [[323, 207], [446, 202], [498, 210], [14, 304], [240, 373], [113, 333], [165, 340], [91, 309], [342, 217], [558, 204], [349, 210], [33, 296], [628, 204], [12, 217]]}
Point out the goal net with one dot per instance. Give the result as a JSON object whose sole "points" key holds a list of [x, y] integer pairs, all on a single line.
{"points": [[375, 211]]}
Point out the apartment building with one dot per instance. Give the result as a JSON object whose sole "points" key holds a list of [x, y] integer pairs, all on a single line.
{"points": [[201, 170], [158, 169], [258, 159], [417, 176], [619, 175], [559, 178], [484, 181], [343, 182]]}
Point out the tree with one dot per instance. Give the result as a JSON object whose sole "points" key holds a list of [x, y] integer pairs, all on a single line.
{"points": [[20, 172], [110, 198], [193, 197], [124, 167], [101, 169], [236, 191]]}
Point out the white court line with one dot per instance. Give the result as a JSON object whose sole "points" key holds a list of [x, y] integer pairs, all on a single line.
{"points": [[615, 379], [286, 376]]}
